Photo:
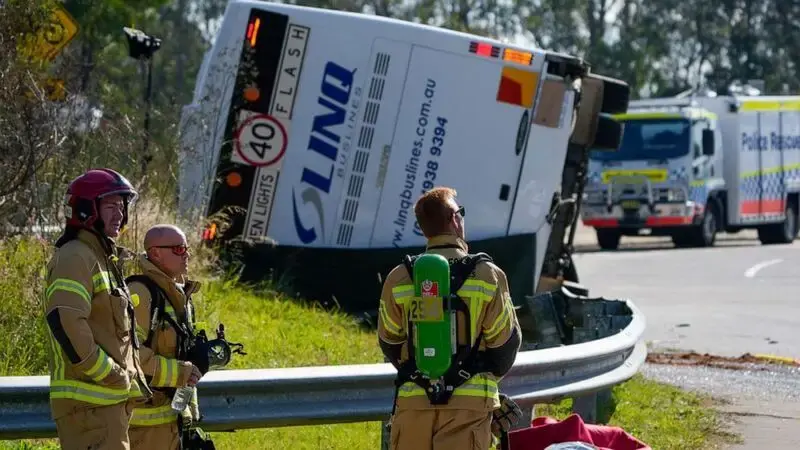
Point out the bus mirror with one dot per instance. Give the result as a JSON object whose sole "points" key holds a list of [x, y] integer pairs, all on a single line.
{"points": [[708, 142], [600, 97]]}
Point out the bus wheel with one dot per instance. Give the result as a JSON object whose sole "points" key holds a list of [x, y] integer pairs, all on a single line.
{"points": [[608, 239]]}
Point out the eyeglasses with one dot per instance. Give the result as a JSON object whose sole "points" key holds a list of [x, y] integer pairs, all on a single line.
{"points": [[460, 211], [179, 250]]}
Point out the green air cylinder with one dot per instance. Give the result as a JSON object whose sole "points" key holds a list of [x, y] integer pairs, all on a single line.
{"points": [[430, 312]]}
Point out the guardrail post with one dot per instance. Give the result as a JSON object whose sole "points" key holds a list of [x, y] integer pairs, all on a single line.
{"points": [[586, 405], [598, 319], [385, 435], [526, 419]]}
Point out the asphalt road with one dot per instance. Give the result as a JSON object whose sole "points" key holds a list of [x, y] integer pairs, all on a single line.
{"points": [[739, 297]]}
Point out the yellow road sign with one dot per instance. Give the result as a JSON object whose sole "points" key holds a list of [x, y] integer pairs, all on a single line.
{"points": [[51, 39], [54, 89]]}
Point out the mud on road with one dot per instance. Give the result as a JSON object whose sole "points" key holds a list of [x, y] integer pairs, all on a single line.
{"points": [[743, 362]]}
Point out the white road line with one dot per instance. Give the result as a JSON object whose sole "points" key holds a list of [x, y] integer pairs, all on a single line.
{"points": [[751, 272]]}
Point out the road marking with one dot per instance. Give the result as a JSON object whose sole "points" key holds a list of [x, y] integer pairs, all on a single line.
{"points": [[751, 272]]}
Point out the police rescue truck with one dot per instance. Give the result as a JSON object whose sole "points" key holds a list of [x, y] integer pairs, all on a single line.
{"points": [[312, 132], [691, 167]]}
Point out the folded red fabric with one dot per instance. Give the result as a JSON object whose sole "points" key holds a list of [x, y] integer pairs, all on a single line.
{"points": [[545, 431]]}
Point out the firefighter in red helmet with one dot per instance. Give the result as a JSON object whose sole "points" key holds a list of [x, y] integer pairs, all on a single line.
{"points": [[95, 375]]}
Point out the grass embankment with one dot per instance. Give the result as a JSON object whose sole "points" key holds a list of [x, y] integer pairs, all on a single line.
{"points": [[280, 332]]}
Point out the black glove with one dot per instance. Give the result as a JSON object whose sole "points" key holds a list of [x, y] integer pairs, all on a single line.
{"points": [[196, 439], [506, 416]]}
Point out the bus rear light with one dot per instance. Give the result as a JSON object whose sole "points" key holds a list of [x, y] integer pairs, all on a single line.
{"points": [[484, 49], [252, 94], [524, 58], [233, 179], [252, 31]]}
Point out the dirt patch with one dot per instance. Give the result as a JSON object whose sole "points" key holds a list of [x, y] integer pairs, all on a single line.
{"points": [[746, 361]]}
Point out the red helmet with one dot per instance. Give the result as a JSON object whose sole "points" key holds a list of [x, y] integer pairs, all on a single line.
{"points": [[84, 194]]}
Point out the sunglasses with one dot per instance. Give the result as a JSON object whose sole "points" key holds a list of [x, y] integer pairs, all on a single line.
{"points": [[179, 250], [460, 211]]}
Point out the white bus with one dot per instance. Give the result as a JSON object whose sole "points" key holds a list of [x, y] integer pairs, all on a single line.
{"points": [[316, 130]]}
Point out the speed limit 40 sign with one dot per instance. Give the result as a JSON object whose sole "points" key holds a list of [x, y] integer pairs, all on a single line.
{"points": [[260, 140]]}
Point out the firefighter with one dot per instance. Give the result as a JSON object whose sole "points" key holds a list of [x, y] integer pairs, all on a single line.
{"points": [[95, 376], [162, 297], [464, 420]]}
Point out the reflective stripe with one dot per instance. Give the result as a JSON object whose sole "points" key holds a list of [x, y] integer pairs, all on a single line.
{"points": [[167, 372], [158, 415], [67, 285], [57, 369], [477, 288], [402, 291], [101, 282], [170, 310], [390, 324], [101, 368], [135, 391], [499, 324], [141, 333], [85, 392], [477, 386]]}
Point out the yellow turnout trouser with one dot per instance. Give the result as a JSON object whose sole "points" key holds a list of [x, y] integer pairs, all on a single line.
{"points": [[160, 437], [95, 428], [441, 429]]}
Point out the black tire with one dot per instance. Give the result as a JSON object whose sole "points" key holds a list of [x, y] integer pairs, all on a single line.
{"points": [[682, 239], [608, 239], [780, 233], [706, 234], [703, 235]]}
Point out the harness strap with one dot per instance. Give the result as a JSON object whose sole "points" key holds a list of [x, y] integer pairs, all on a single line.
{"points": [[466, 362]]}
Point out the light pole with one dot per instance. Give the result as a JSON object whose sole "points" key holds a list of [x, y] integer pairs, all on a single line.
{"points": [[143, 46]]}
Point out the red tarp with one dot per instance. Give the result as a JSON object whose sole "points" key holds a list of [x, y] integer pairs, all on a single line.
{"points": [[545, 431]]}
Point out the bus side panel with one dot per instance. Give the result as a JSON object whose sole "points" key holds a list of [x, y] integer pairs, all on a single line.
{"points": [[453, 130], [367, 167], [320, 142], [203, 122]]}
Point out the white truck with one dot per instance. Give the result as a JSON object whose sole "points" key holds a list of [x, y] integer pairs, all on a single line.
{"points": [[313, 131], [691, 167]]}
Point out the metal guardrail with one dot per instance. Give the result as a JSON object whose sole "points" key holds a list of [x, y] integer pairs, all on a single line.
{"points": [[266, 398]]}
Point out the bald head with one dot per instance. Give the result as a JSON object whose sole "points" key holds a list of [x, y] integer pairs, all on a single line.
{"points": [[167, 248], [163, 235]]}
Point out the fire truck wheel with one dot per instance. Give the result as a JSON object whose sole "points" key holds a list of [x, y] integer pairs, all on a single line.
{"points": [[608, 239]]}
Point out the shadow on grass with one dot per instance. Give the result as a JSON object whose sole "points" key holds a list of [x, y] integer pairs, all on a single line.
{"points": [[606, 407]]}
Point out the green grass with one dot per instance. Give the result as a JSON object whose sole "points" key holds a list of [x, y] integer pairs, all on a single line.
{"points": [[281, 332], [22, 349], [660, 415]]}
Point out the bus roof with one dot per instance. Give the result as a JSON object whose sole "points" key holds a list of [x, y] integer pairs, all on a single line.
{"points": [[289, 8]]}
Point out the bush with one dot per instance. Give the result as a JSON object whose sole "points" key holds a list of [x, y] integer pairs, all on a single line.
{"points": [[22, 349]]}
